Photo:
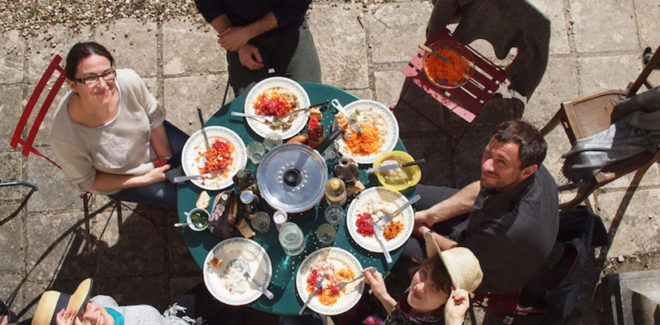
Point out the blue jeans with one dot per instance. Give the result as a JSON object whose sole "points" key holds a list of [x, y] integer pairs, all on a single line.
{"points": [[163, 193]]}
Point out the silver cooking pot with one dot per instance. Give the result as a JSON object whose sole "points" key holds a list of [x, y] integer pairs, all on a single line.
{"points": [[291, 177]]}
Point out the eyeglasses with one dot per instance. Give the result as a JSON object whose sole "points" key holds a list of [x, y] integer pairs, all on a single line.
{"points": [[94, 79]]}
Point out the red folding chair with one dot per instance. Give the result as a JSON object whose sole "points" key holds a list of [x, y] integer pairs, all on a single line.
{"points": [[466, 101], [17, 137]]}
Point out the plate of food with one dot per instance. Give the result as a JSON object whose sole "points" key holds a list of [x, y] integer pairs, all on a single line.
{"points": [[225, 157], [277, 96], [223, 271], [338, 265], [379, 131], [373, 203]]}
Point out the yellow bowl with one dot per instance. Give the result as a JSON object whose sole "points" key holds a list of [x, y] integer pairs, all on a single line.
{"points": [[392, 179]]}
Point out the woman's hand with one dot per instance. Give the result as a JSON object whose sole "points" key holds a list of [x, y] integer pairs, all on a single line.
{"points": [[65, 317], [456, 307], [155, 175]]}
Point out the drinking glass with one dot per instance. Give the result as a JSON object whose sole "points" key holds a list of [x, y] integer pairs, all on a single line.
{"points": [[334, 214], [279, 218], [326, 234], [292, 239], [260, 221], [272, 140], [255, 151]]}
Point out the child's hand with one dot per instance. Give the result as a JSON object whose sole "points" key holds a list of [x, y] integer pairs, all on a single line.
{"points": [[376, 282], [456, 307], [65, 317]]}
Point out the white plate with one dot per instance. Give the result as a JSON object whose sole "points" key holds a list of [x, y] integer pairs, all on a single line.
{"points": [[360, 204], [290, 86], [339, 258], [389, 129], [228, 250], [195, 147]]}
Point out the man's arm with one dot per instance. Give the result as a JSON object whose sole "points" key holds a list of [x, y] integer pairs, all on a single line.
{"points": [[458, 204], [235, 37], [220, 23]]}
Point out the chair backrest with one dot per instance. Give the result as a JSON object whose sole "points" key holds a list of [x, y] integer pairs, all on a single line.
{"points": [[28, 142]]}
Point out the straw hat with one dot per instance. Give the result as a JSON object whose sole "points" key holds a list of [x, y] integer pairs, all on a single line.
{"points": [[463, 267], [52, 302]]}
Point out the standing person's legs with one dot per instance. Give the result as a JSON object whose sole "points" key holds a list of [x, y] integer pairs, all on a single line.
{"points": [[240, 77], [294, 55]]}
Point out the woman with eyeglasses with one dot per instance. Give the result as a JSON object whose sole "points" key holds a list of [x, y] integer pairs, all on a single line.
{"points": [[110, 134]]}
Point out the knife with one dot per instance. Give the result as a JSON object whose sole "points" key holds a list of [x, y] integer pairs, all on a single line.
{"points": [[306, 108], [187, 178], [394, 166], [380, 240], [311, 295], [388, 217], [335, 103], [201, 120]]}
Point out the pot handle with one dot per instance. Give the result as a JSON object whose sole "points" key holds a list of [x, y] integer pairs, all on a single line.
{"points": [[329, 140]]}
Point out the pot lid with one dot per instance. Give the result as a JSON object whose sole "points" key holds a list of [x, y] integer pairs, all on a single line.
{"points": [[291, 177]]}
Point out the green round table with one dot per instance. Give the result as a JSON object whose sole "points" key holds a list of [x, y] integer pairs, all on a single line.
{"points": [[285, 267]]}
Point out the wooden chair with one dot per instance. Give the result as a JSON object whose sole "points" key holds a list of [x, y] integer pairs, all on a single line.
{"points": [[588, 115]]}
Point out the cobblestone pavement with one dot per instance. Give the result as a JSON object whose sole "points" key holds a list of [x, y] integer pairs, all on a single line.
{"points": [[140, 258]]}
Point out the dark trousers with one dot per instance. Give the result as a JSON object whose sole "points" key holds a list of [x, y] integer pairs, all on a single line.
{"points": [[452, 228], [163, 193], [291, 54]]}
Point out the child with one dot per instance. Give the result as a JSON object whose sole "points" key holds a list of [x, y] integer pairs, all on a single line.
{"points": [[439, 289]]}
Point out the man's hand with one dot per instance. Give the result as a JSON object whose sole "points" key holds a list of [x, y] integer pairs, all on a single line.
{"points": [[250, 57], [234, 37], [423, 222], [456, 307]]}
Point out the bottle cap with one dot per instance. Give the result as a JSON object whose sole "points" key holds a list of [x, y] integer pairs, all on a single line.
{"points": [[246, 196], [313, 122]]}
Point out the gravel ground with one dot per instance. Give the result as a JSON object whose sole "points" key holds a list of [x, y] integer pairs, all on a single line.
{"points": [[34, 17]]}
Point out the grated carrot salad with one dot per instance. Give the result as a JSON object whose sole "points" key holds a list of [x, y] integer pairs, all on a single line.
{"points": [[392, 230], [365, 143], [438, 69]]}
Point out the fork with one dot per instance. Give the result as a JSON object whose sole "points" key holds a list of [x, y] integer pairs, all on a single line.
{"points": [[342, 284]]}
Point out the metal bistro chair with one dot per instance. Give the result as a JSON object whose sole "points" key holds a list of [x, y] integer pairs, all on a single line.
{"points": [[591, 114], [28, 143]]}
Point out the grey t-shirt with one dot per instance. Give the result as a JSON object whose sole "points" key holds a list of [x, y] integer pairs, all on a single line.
{"points": [[122, 146]]}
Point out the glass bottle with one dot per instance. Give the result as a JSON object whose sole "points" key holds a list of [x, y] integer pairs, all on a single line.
{"points": [[315, 133], [244, 180], [250, 203], [335, 191]]}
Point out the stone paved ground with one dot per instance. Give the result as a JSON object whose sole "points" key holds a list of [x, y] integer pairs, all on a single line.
{"points": [[140, 258]]}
